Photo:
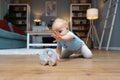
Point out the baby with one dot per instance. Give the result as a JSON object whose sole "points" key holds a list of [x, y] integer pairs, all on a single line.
{"points": [[67, 42]]}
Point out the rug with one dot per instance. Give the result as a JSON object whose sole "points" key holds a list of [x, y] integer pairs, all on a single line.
{"points": [[21, 51]]}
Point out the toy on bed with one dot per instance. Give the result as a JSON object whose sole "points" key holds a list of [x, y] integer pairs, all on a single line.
{"points": [[48, 57]]}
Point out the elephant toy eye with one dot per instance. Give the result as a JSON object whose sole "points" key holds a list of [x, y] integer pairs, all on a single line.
{"points": [[50, 53]]}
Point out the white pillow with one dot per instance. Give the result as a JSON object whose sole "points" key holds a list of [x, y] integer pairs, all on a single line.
{"points": [[11, 26]]}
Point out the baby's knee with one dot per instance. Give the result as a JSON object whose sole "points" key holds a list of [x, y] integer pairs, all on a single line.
{"points": [[86, 52], [88, 56]]}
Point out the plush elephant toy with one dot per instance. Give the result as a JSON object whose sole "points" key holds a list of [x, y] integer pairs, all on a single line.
{"points": [[48, 57]]}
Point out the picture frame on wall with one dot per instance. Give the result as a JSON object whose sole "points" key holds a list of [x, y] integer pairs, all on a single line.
{"points": [[50, 8]]}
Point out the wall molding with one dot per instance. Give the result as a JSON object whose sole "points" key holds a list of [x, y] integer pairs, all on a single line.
{"points": [[110, 48]]}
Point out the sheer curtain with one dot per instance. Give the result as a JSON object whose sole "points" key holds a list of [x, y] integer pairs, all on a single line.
{"points": [[3, 8]]}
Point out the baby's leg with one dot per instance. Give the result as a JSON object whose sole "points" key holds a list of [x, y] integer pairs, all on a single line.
{"points": [[65, 53], [85, 51]]}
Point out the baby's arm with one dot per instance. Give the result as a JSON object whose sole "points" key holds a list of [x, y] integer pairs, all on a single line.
{"points": [[67, 37], [58, 50], [64, 38]]}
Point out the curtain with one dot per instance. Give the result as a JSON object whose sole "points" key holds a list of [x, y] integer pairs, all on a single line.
{"points": [[3, 8]]}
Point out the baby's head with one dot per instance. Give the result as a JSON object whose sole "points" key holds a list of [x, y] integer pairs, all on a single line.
{"points": [[60, 25]]}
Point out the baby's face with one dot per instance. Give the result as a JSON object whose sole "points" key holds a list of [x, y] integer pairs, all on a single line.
{"points": [[61, 31]]}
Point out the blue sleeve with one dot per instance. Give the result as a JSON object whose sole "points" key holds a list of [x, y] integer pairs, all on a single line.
{"points": [[59, 44]]}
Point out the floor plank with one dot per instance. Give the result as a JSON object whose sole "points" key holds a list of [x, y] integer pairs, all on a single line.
{"points": [[105, 65]]}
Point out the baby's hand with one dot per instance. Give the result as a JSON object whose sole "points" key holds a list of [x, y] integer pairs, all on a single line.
{"points": [[53, 35], [57, 36]]}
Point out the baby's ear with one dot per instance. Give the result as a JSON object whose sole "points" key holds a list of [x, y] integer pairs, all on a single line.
{"points": [[67, 28]]}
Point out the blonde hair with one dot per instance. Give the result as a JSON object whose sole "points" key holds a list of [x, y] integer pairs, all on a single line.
{"points": [[59, 23]]}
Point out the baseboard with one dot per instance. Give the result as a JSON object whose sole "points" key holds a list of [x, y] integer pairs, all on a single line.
{"points": [[110, 48]]}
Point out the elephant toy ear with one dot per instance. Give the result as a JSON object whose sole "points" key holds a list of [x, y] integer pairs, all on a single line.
{"points": [[50, 53], [44, 58], [52, 57]]}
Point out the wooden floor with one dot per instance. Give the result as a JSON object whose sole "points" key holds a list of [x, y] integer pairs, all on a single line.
{"points": [[105, 65]]}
